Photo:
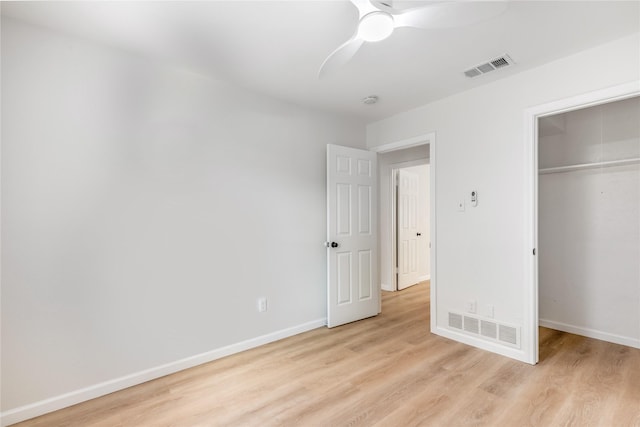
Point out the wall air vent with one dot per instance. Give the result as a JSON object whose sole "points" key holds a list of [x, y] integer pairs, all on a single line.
{"points": [[501, 62], [508, 334], [471, 324], [455, 320], [489, 329], [485, 328]]}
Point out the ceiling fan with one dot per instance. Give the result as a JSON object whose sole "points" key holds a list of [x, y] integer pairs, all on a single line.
{"points": [[378, 19]]}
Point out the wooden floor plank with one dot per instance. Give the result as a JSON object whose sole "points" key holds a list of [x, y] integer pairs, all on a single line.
{"points": [[385, 371]]}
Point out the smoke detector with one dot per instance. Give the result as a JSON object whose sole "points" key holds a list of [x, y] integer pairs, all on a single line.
{"points": [[500, 62], [370, 100]]}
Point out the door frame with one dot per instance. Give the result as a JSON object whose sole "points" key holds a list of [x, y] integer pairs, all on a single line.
{"points": [[531, 116], [430, 140], [394, 168]]}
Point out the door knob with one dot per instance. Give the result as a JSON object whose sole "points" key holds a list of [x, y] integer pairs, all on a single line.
{"points": [[418, 234], [331, 244]]}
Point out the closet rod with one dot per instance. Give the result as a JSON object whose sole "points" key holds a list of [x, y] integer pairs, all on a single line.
{"points": [[572, 168]]}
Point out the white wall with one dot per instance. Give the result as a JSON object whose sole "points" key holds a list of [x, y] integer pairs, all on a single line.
{"points": [[482, 252], [386, 162], [144, 210], [589, 223]]}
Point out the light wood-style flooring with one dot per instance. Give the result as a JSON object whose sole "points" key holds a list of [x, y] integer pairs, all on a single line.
{"points": [[384, 371]]}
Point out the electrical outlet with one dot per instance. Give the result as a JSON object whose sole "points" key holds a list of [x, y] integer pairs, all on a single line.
{"points": [[489, 311], [262, 304], [471, 306]]}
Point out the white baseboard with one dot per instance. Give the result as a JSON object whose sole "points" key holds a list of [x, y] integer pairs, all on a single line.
{"points": [[590, 333], [42, 407], [493, 347], [425, 277]]}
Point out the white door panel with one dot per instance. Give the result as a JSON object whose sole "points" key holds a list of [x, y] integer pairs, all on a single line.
{"points": [[408, 232], [352, 273]]}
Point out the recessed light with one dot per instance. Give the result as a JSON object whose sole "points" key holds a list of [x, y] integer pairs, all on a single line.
{"points": [[369, 100]]}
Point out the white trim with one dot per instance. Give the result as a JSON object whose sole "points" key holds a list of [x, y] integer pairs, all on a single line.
{"points": [[483, 344], [393, 175], [424, 278], [531, 115], [42, 407], [590, 99], [387, 287], [405, 143], [591, 333], [432, 233], [529, 338]]}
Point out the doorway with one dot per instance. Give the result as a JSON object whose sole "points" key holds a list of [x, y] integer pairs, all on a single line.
{"points": [[347, 279], [410, 152]]}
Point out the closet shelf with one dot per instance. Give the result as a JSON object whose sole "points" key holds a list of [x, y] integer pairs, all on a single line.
{"points": [[571, 168]]}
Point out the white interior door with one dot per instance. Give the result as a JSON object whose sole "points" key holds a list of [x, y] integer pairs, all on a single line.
{"points": [[408, 231], [352, 276]]}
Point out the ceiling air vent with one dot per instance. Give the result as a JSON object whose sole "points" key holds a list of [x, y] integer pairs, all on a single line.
{"points": [[472, 72], [501, 62]]}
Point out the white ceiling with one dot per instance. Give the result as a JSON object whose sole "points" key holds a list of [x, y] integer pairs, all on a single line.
{"points": [[276, 47]]}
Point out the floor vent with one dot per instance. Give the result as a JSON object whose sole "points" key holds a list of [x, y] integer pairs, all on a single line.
{"points": [[485, 328], [501, 62]]}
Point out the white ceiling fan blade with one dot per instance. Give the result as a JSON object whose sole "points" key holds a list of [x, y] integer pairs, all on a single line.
{"points": [[340, 56], [364, 7], [449, 14]]}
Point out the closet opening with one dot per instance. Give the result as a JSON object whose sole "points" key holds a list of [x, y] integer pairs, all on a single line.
{"points": [[588, 221]]}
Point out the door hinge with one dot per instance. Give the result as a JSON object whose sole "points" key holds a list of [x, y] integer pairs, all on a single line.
{"points": [[534, 251]]}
